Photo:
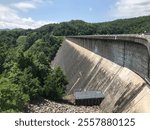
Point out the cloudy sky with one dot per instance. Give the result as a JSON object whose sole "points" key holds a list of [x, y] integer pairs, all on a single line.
{"points": [[35, 13]]}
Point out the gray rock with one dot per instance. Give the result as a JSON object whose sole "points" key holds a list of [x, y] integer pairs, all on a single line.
{"points": [[47, 106]]}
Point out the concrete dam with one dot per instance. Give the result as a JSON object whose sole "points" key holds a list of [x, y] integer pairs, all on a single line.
{"points": [[116, 65]]}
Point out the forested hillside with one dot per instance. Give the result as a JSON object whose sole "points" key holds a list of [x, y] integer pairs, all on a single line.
{"points": [[25, 72], [78, 27]]}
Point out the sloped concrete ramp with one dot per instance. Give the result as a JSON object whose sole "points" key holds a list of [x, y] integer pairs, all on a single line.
{"points": [[124, 90]]}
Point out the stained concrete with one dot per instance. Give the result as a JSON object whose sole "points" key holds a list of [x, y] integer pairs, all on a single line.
{"points": [[108, 65]]}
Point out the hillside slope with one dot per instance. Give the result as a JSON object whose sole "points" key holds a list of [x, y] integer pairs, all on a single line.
{"points": [[78, 27]]}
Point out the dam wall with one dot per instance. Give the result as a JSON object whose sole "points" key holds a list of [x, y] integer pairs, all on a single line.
{"points": [[128, 51], [108, 65]]}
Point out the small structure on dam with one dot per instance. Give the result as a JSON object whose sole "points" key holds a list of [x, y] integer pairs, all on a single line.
{"points": [[88, 98]]}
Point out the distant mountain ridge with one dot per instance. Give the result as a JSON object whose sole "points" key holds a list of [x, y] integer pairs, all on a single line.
{"points": [[79, 27], [136, 25], [4, 29]]}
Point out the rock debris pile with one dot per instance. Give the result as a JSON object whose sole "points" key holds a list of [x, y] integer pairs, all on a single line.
{"points": [[47, 106]]}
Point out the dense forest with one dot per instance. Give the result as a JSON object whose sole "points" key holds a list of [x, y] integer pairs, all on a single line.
{"points": [[77, 27], [25, 56], [25, 72]]}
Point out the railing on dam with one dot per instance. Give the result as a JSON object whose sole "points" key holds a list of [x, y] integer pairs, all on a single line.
{"points": [[130, 51]]}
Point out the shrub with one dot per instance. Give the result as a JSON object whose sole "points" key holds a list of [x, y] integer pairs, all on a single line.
{"points": [[55, 84], [12, 99]]}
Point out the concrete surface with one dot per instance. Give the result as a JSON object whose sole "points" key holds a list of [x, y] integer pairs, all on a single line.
{"points": [[108, 64]]}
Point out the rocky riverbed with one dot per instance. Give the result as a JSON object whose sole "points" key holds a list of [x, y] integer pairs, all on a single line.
{"points": [[47, 106]]}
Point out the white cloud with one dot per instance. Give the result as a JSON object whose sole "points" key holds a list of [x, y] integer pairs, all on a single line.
{"points": [[24, 6], [131, 8], [10, 19], [43, 1], [32, 4]]}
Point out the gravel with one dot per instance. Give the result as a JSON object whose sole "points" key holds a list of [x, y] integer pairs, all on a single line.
{"points": [[47, 106]]}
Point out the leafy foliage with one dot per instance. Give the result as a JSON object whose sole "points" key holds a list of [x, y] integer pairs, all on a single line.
{"points": [[25, 70], [78, 27], [12, 99], [55, 84]]}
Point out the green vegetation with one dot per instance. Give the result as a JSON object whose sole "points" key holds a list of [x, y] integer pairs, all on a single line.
{"points": [[78, 27], [12, 98], [25, 72], [25, 56]]}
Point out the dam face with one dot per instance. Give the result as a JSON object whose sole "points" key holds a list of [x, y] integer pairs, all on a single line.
{"points": [[114, 65]]}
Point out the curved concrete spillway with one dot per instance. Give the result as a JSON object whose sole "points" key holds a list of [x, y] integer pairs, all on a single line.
{"points": [[107, 64]]}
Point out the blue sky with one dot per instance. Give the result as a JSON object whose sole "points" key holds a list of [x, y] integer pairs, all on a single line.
{"points": [[64, 10], [35, 13]]}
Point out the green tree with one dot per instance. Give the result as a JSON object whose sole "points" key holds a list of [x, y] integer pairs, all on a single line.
{"points": [[12, 99], [55, 83], [29, 84]]}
